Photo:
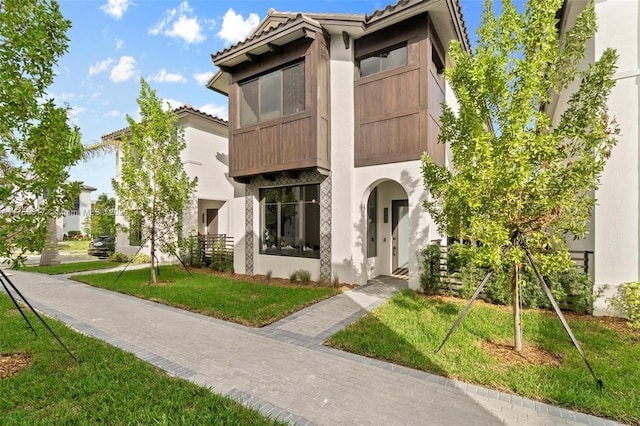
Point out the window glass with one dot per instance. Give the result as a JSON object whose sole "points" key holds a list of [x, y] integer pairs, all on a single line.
{"points": [[293, 89], [394, 58], [370, 66], [372, 224], [384, 60], [249, 103], [290, 219], [270, 96]]}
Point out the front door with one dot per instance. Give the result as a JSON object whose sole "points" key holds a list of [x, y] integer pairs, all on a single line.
{"points": [[212, 221], [400, 236]]}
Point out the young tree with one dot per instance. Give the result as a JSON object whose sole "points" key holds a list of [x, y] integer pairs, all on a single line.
{"points": [[515, 173], [153, 189], [103, 217], [37, 144]]}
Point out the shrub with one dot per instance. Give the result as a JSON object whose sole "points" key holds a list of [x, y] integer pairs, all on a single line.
{"points": [[190, 250], [268, 275], [336, 281], [304, 276], [293, 277], [429, 257], [118, 257], [627, 300], [140, 258], [75, 235]]}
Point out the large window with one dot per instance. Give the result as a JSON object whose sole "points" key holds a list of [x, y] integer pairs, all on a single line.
{"points": [[384, 60], [290, 221], [280, 92]]}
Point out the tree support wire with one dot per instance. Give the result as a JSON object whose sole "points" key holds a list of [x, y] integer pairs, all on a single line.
{"points": [[466, 308], [6, 281], [556, 308], [520, 240]]}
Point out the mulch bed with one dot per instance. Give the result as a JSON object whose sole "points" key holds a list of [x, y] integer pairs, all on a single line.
{"points": [[12, 364]]}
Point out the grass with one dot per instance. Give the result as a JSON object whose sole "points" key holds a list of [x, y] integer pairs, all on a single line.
{"points": [[106, 386], [244, 302], [408, 329], [67, 268], [74, 247]]}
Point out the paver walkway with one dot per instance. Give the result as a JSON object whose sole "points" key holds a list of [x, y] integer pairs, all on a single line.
{"points": [[282, 370]]}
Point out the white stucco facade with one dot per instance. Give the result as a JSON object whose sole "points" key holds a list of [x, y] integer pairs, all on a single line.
{"points": [[74, 218], [615, 226], [205, 158]]}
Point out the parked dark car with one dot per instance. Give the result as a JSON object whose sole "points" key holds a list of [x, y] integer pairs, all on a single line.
{"points": [[102, 247]]}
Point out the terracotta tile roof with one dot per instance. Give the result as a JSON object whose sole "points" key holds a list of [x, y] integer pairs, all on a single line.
{"points": [[182, 109], [317, 18]]}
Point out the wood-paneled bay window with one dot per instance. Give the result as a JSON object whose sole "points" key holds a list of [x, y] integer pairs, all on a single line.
{"points": [[273, 95]]}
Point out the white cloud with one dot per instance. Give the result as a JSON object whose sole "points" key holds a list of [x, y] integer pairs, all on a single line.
{"points": [[173, 104], [180, 23], [203, 77], [119, 43], [114, 113], [100, 66], [124, 70], [219, 111], [235, 28], [115, 8], [163, 76]]}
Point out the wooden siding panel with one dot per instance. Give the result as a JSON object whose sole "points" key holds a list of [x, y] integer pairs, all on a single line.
{"points": [[295, 141], [268, 151]]}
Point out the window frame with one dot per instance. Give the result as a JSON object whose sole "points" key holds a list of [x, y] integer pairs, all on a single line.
{"points": [[301, 236], [262, 79], [383, 54]]}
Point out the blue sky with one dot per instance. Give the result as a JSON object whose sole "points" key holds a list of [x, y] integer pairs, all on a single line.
{"points": [[169, 43]]}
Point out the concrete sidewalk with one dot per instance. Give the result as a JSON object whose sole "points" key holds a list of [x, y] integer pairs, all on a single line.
{"points": [[283, 370]]}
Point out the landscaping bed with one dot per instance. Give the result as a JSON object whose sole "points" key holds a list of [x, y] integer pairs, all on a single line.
{"points": [[409, 328]]}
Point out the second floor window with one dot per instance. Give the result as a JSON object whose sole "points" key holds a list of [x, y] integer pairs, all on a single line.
{"points": [[280, 92], [384, 60]]}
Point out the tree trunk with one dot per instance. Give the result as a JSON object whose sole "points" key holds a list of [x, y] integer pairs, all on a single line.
{"points": [[517, 326], [50, 254], [153, 259]]}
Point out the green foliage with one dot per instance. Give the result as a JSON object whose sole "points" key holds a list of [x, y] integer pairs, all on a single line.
{"points": [[190, 250], [103, 219], [140, 258], [430, 279], [74, 234], [37, 144], [118, 257], [627, 300], [268, 275], [514, 172], [304, 276], [154, 188], [293, 277], [221, 257]]}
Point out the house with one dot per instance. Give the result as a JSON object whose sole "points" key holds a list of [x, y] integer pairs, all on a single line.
{"points": [[74, 219], [329, 115], [614, 236], [205, 157]]}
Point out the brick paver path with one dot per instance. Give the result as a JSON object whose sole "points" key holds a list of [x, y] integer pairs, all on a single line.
{"points": [[283, 370]]}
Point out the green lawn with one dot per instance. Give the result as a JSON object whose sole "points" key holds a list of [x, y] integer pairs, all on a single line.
{"points": [[67, 268], [409, 328], [244, 302], [106, 386], [74, 247]]}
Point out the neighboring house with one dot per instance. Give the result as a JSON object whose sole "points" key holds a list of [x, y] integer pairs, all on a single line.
{"points": [[329, 115], [74, 218], [614, 236], [205, 157]]}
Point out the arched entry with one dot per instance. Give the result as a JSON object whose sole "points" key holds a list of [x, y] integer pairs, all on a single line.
{"points": [[387, 229]]}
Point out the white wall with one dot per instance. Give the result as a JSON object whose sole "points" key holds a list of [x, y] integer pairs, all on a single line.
{"points": [[614, 228]]}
